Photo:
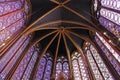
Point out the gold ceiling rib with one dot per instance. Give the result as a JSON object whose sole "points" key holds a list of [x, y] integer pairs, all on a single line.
{"points": [[37, 41], [79, 15], [55, 22], [46, 48], [57, 2], [8, 45], [56, 54], [68, 54], [77, 47], [80, 27], [46, 14], [81, 37]]}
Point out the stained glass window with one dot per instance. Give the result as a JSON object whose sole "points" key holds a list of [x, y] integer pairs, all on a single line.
{"points": [[23, 64], [94, 66], [110, 52], [62, 66], [106, 74], [66, 69], [13, 15], [44, 68], [113, 4], [109, 16], [48, 69], [30, 66], [12, 55], [40, 69], [58, 68], [79, 69], [76, 71], [109, 47], [98, 67]]}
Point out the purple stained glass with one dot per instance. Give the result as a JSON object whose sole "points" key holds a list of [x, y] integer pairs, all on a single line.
{"points": [[40, 69], [13, 15], [9, 66], [113, 4], [58, 68], [79, 68], [23, 64], [66, 69], [113, 28], [107, 53], [30, 66], [48, 69], [10, 53]]}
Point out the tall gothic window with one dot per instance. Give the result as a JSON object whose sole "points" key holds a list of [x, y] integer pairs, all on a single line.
{"points": [[79, 69], [62, 66], [10, 57], [97, 65], [44, 68], [111, 52], [109, 16], [13, 16], [30, 66], [26, 65]]}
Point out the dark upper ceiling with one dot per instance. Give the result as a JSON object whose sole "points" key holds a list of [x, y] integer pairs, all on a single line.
{"points": [[40, 7]]}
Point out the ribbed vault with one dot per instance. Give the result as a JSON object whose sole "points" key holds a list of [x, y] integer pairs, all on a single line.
{"points": [[62, 28]]}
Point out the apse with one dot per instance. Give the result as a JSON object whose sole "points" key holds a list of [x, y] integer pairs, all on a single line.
{"points": [[59, 40]]}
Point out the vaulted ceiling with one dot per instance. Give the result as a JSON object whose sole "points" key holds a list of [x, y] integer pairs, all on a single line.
{"points": [[63, 22]]}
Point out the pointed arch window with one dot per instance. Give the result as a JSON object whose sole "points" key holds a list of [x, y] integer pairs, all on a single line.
{"points": [[40, 69], [66, 69], [111, 53], [28, 71], [62, 66], [79, 69], [44, 68], [58, 68], [98, 66], [48, 69]]}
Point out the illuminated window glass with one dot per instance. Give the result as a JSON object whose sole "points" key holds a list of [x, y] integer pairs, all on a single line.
{"points": [[112, 27], [40, 69], [62, 66], [106, 74], [66, 69], [113, 4], [109, 47], [110, 53], [58, 68], [23, 64], [48, 69], [12, 55], [79, 68], [110, 15], [30, 66], [94, 67], [76, 71], [13, 16]]}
